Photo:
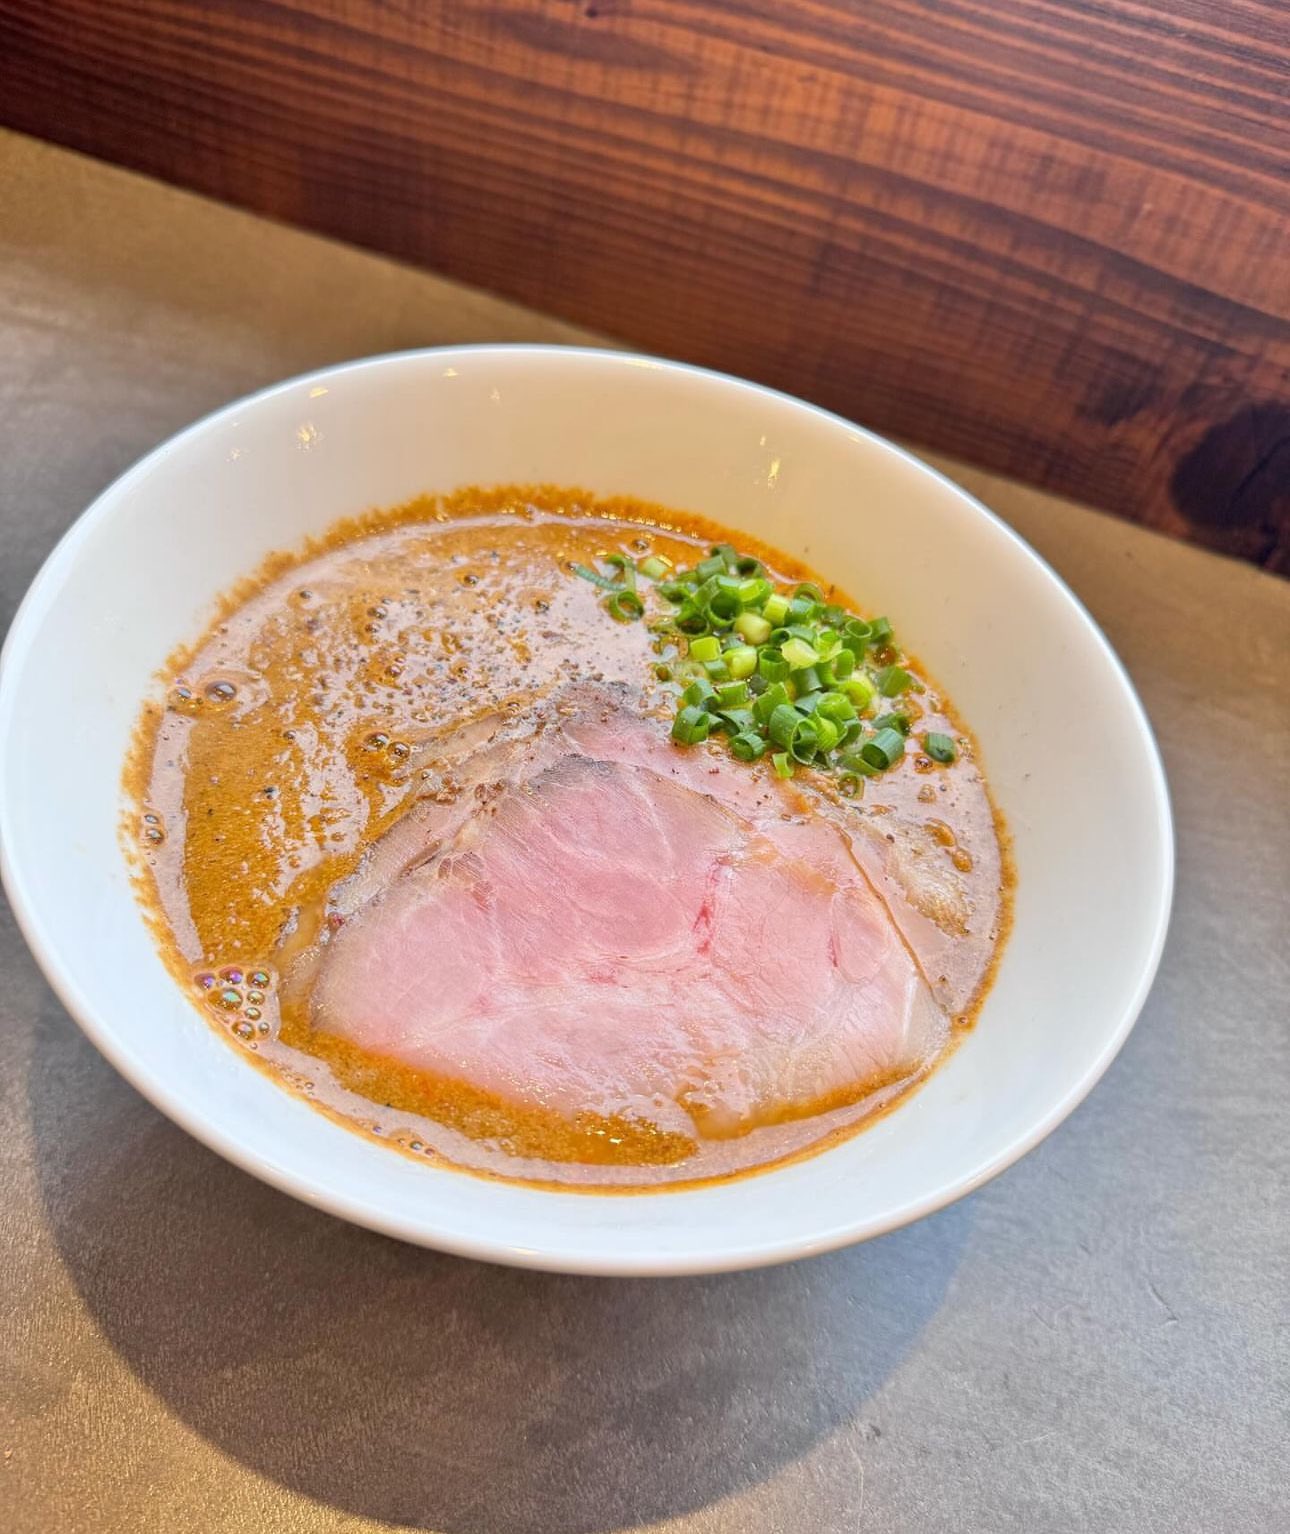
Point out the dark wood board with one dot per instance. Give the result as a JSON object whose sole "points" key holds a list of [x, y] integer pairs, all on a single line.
{"points": [[1049, 236]]}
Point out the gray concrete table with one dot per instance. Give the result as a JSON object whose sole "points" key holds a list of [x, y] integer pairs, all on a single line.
{"points": [[1097, 1341]]}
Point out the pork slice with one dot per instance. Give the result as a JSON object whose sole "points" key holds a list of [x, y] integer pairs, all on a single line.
{"points": [[621, 928]]}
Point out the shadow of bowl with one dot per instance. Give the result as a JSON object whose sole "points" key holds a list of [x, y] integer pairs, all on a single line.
{"points": [[437, 1393]]}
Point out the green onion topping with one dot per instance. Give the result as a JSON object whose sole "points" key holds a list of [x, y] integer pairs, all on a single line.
{"points": [[939, 747], [892, 681], [605, 582], [691, 726], [625, 606], [885, 749], [785, 673]]}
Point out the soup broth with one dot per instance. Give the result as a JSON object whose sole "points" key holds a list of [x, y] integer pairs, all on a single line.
{"points": [[382, 729]]}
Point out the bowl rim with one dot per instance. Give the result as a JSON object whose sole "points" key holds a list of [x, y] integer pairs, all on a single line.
{"points": [[205, 1127]]}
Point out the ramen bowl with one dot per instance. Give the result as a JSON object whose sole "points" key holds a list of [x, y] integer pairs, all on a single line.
{"points": [[141, 571]]}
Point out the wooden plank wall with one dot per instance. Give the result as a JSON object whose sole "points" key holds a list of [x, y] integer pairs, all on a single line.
{"points": [[1050, 236]]}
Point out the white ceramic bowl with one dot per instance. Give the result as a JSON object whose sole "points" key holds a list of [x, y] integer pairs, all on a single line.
{"points": [[1066, 747]]}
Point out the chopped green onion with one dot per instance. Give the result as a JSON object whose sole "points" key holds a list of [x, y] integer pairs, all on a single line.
{"points": [[772, 665], [718, 606], [691, 726], [625, 606], [769, 669], [799, 654], [595, 577], [782, 725], [725, 599], [626, 565], [892, 681], [886, 748], [753, 592], [742, 661], [806, 741], [853, 761], [752, 627], [939, 747], [859, 689], [775, 696], [748, 746], [826, 732], [836, 706]]}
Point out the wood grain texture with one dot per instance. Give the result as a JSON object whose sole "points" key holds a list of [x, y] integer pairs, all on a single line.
{"points": [[1049, 236]]}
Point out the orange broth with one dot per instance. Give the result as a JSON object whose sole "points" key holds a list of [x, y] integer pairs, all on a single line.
{"points": [[285, 743]]}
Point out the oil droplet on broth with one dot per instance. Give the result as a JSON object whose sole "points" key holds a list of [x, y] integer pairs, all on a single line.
{"points": [[941, 833], [183, 700]]}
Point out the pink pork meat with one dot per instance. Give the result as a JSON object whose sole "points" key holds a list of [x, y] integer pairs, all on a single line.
{"points": [[593, 921]]}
